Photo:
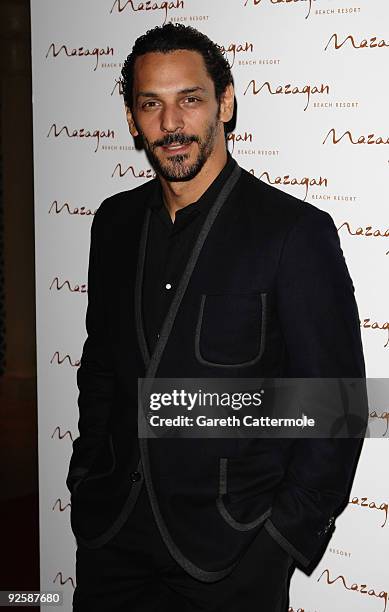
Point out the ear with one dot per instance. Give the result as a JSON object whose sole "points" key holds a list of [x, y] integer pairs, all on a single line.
{"points": [[131, 123], [226, 107]]}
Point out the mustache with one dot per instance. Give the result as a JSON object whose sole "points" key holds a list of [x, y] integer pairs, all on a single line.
{"points": [[171, 139]]}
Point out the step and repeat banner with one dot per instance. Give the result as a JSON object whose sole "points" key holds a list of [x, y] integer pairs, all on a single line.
{"points": [[312, 92]]}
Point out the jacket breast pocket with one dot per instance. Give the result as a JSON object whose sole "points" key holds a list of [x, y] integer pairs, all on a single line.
{"points": [[231, 329]]}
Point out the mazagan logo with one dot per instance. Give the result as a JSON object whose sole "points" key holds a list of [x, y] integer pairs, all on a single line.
{"points": [[364, 139], [59, 360], [235, 138], [60, 435], [232, 49], [140, 7], [58, 505], [308, 3], [97, 52], [117, 87], [81, 211], [305, 181], [366, 232], [364, 502], [287, 90], [350, 41], [73, 288], [59, 577], [80, 133], [368, 324], [361, 589], [119, 171]]}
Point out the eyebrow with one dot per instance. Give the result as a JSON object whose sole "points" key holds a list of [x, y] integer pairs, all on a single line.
{"points": [[152, 94]]}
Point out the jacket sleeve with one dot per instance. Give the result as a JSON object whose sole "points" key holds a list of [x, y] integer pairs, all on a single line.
{"points": [[95, 377], [321, 329]]}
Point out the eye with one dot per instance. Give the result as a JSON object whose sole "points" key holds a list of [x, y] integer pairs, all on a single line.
{"points": [[150, 104], [192, 99]]}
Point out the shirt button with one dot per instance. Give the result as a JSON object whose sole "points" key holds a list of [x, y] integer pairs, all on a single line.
{"points": [[168, 286], [135, 476]]}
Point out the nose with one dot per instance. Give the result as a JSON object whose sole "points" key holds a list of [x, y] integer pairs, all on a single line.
{"points": [[171, 119]]}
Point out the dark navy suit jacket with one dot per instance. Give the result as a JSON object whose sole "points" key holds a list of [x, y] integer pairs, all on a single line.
{"points": [[266, 293]]}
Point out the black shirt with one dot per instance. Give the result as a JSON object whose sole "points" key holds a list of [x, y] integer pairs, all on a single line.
{"points": [[168, 249]]}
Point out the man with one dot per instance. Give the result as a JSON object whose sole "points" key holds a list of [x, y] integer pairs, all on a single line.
{"points": [[204, 272]]}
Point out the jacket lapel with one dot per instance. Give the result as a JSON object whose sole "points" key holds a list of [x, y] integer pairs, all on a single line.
{"points": [[140, 329]]}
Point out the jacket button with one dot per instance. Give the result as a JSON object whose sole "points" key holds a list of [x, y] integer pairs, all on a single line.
{"points": [[135, 476]]}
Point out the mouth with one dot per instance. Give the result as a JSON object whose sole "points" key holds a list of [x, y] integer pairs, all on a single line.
{"points": [[176, 148]]}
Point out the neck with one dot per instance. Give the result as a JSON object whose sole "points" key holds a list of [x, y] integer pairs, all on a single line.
{"points": [[178, 194]]}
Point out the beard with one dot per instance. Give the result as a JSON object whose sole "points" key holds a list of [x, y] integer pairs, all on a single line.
{"points": [[174, 168]]}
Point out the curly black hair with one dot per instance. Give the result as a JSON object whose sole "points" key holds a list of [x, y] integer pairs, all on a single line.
{"points": [[173, 37]]}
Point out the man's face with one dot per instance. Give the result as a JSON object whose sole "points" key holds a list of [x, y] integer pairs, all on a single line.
{"points": [[175, 112]]}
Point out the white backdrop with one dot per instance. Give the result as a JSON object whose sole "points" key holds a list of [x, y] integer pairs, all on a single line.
{"points": [[312, 90]]}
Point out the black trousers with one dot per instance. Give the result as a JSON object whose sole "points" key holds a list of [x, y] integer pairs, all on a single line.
{"points": [[134, 572]]}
